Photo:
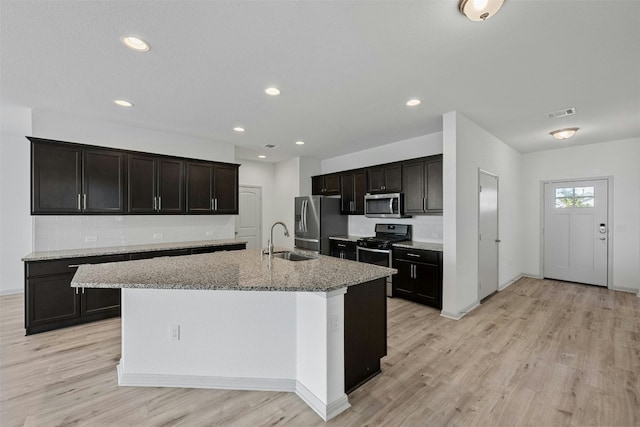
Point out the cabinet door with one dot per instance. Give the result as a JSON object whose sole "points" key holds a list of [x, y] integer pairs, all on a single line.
{"points": [[428, 284], [103, 301], [170, 185], [103, 181], [141, 171], [434, 186], [199, 187], [414, 185], [56, 178], [347, 193], [332, 185], [317, 185], [375, 179], [50, 299], [393, 178], [403, 283], [359, 190], [225, 189]]}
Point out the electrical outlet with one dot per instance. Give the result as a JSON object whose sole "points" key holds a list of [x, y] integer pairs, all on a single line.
{"points": [[158, 235], [210, 234], [335, 322], [174, 332], [90, 238]]}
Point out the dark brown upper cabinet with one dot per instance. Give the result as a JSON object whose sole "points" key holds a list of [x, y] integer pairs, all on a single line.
{"points": [[352, 189], [326, 185], [155, 185], [212, 188], [423, 186], [385, 178], [72, 179]]}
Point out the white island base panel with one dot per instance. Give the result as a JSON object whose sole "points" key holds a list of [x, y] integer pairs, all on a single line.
{"points": [[240, 340]]}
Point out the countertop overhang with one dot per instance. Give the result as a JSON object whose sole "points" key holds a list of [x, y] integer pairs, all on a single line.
{"points": [[243, 270]]}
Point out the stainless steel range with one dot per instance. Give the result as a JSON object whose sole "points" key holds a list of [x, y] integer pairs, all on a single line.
{"points": [[377, 250]]}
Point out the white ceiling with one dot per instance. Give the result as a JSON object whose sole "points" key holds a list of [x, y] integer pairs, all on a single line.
{"points": [[345, 68]]}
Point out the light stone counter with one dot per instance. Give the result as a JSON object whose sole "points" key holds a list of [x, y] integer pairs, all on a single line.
{"points": [[425, 246], [117, 250], [244, 270]]}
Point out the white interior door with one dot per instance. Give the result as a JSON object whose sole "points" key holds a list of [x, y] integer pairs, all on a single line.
{"points": [[488, 235], [249, 220], [576, 231]]}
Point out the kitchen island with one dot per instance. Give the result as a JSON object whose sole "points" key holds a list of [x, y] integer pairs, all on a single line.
{"points": [[236, 320]]}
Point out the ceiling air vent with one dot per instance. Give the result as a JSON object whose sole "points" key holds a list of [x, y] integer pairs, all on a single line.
{"points": [[562, 113], [270, 146]]}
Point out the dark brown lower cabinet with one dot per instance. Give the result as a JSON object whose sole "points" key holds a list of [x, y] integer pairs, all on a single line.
{"points": [[419, 276], [365, 332], [51, 302]]}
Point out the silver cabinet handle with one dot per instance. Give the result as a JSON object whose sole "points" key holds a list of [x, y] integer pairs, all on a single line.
{"points": [[82, 290], [79, 203], [413, 255], [159, 203], [155, 205], [84, 201], [76, 291], [211, 204], [424, 204], [341, 245], [215, 204]]}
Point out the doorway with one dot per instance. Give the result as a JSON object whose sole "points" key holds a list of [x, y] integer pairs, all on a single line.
{"points": [[576, 231], [488, 239], [249, 219]]}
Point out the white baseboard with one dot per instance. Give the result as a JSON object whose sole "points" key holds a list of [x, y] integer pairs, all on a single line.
{"points": [[510, 282], [326, 411], [532, 276], [623, 289], [460, 314], [11, 291]]}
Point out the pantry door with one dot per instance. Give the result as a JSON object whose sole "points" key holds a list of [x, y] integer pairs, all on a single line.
{"points": [[488, 240], [576, 231], [249, 219]]}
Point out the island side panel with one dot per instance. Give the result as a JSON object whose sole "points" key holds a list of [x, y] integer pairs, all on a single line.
{"points": [[228, 339]]}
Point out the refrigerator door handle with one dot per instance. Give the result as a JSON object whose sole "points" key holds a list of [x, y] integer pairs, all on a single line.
{"points": [[304, 215]]}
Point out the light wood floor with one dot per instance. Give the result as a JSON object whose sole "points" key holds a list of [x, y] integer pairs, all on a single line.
{"points": [[539, 353]]}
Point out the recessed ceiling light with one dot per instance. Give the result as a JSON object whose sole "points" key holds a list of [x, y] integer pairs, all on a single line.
{"points": [[262, 156], [122, 103], [480, 10], [564, 133], [238, 129], [273, 91], [413, 102], [299, 142], [135, 43]]}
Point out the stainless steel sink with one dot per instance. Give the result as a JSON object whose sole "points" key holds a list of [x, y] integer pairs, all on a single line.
{"points": [[292, 256]]}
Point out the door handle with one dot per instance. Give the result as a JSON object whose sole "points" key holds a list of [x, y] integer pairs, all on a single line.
{"points": [[498, 240], [603, 238]]}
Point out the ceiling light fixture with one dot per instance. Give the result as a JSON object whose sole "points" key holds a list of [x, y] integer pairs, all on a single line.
{"points": [[299, 142], [273, 91], [564, 133], [262, 156], [135, 43], [238, 129], [413, 102], [122, 103], [480, 10]]}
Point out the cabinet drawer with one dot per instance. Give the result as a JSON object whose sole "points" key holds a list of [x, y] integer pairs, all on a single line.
{"points": [[429, 257], [66, 265], [342, 245]]}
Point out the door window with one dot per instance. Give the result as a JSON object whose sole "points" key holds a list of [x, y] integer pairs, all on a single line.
{"points": [[575, 197]]}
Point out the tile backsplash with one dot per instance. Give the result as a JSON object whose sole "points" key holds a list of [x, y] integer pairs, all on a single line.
{"points": [[425, 228], [90, 231]]}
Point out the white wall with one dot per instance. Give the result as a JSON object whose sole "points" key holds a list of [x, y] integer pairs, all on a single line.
{"points": [[15, 219], [467, 148], [620, 159], [421, 146], [261, 174]]}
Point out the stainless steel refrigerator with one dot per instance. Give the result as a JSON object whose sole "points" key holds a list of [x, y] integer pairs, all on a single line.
{"points": [[317, 218]]}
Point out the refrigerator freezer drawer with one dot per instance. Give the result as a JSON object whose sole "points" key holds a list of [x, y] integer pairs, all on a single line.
{"points": [[307, 244]]}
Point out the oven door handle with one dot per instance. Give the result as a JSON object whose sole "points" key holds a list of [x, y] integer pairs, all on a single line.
{"points": [[380, 251]]}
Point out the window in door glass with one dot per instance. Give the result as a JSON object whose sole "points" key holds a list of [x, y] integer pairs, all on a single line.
{"points": [[575, 197]]}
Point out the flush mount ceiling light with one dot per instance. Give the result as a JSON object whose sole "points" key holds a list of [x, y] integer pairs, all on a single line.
{"points": [[480, 10], [299, 142], [238, 129], [413, 102], [564, 133], [135, 43], [262, 156], [273, 91], [122, 103]]}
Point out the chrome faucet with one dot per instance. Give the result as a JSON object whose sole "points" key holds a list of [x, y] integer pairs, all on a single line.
{"points": [[270, 242]]}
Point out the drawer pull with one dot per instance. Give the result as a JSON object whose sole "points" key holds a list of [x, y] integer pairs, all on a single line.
{"points": [[413, 255], [341, 245]]}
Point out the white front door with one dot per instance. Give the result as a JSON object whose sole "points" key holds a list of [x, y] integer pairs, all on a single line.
{"points": [[576, 231], [488, 235], [249, 220]]}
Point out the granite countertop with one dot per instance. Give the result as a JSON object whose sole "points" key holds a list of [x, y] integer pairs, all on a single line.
{"points": [[425, 246], [347, 238], [245, 270], [116, 250]]}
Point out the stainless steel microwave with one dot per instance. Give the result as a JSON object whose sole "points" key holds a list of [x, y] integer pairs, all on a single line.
{"points": [[389, 205]]}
